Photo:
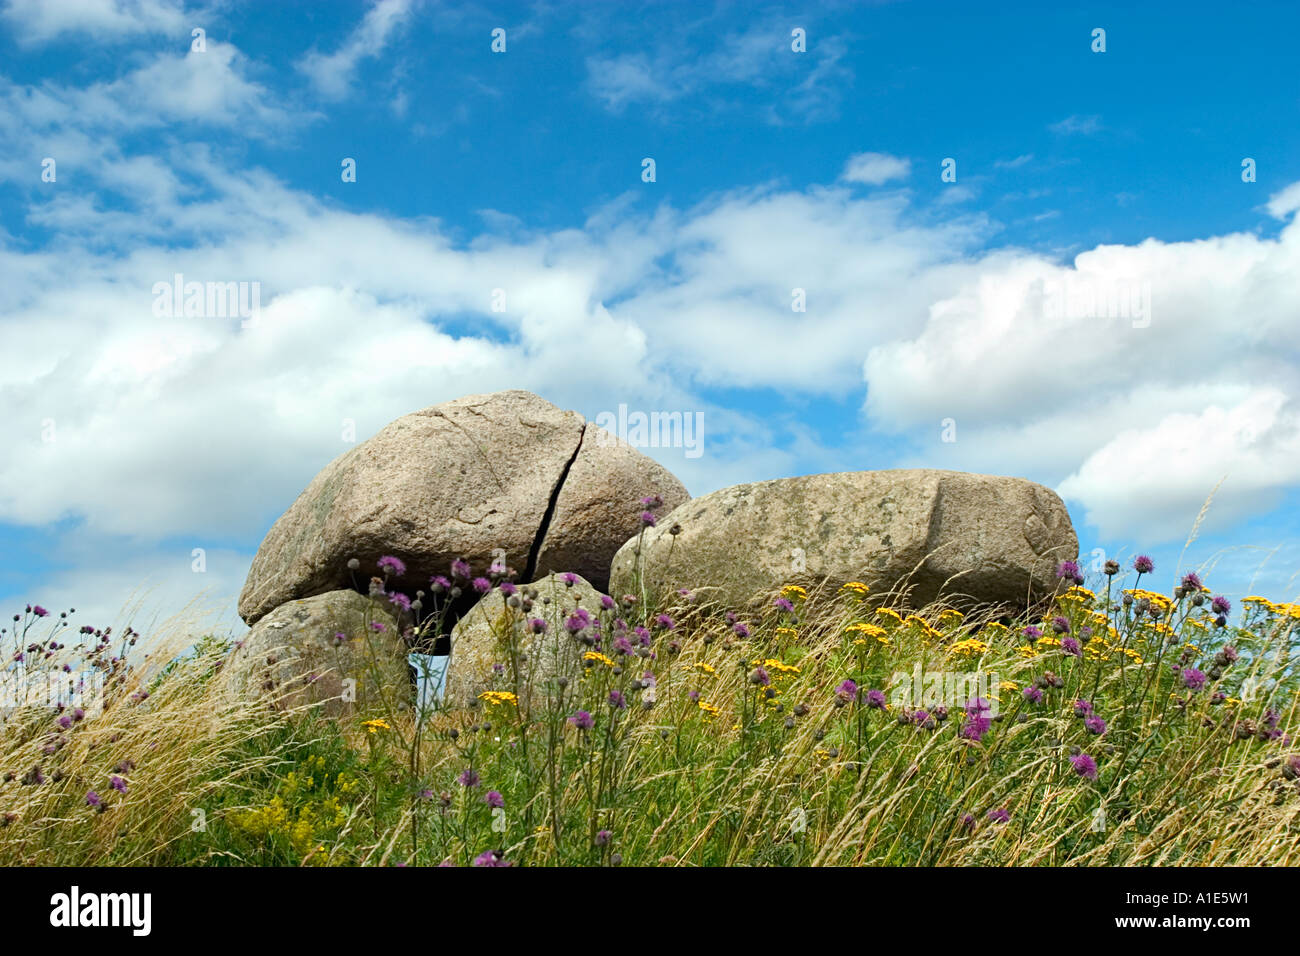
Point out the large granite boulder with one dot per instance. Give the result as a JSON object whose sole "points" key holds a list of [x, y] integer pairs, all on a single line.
{"points": [[978, 537], [295, 655], [485, 476], [479, 640]]}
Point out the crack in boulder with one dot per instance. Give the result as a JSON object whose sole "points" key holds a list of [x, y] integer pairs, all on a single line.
{"points": [[535, 551]]}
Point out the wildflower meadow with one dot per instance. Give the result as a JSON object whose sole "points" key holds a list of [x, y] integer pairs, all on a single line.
{"points": [[1131, 720]]}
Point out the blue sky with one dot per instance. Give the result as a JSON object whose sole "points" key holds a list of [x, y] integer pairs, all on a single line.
{"points": [[135, 439]]}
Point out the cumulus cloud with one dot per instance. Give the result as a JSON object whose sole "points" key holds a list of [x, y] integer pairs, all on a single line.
{"points": [[39, 21], [874, 169], [1145, 481], [1122, 355], [333, 73]]}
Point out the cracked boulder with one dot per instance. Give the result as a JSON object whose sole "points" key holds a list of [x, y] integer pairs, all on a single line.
{"points": [[931, 533], [482, 477]]}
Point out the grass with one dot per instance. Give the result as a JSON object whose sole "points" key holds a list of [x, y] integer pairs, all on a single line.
{"points": [[680, 733]]}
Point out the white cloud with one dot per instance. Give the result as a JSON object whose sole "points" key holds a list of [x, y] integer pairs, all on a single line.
{"points": [[1014, 163], [333, 73], [792, 88], [1150, 481], [1083, 125], [1041, 375], [1282, 204], [874, 169], [39, 21]]}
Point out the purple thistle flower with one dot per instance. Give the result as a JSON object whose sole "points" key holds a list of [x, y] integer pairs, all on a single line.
{"points": [[1069, 570], [1082, 708], [460, 570], [783, 604], [617, 700], [847, 691], [378, 626], [582, 720], [875, 699], [439, 584], [468, 778], [1000, 816], [622, 646], [93, 799], [740, 629], [1060, 625], [1221, 605], [1070, 646], [1193, 679], [569, 579], [664, 622], [392, 564], [494, 799], [117, 783], [401, 600], [647, 519], [760, 677], [508, 589], [1084, 766], [536, 626], [491, 858], [603, 837], [482, 585], [607, 602], [65, 721], [1033, 694], [977, 725], [1192, 581], [968, 821], [1143, 564], [1033, 633], [651, 501], [1230, 654], [1094, 724], [40, 611]]}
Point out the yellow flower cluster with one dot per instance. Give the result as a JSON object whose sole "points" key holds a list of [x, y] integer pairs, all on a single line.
{"points": [[376, 725], [1157, 599], [705, 667], [868, 630], [1289, 610], [598, 657], [856, 588], [970, 647], [498, 697], [776, 667], [710, 710]]}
